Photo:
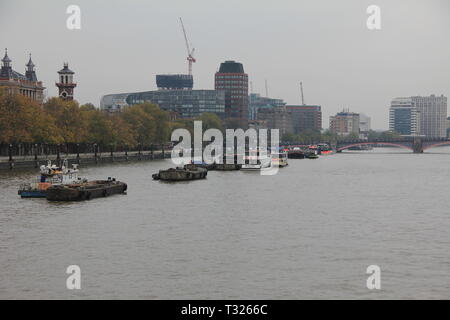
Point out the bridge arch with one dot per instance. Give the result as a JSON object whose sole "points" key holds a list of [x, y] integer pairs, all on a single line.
{"points": [[375, 143], [438, 144]]}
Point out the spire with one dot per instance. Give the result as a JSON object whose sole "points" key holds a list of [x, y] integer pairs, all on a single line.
{"points": [[6, 60], [30, 73], [30, 64]]}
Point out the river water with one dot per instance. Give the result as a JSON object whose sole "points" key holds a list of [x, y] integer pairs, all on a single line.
{"points": [[308, 232]]}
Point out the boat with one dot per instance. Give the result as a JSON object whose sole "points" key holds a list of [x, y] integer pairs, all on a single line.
{"points": [[311, 155], [226, 166], [280, 159], [324, 149], [85, 190], [49, 175], [296, 153], [254, 161], [189, 172], [202, 164]]}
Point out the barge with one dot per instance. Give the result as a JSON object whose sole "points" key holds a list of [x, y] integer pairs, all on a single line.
{"points": [[189, 172], [86, 190]]}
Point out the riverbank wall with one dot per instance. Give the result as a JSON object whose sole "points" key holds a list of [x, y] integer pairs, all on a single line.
{"points": [[24, 162]]}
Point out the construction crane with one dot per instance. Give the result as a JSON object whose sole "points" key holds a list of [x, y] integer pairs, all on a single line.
{"points": [[267, 89], [301, 92], [190, 58]]}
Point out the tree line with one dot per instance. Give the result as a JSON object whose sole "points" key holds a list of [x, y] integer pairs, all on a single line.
{"points": [[66, 122]]}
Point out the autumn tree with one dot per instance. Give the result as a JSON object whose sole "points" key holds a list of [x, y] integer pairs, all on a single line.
{"points": [[68, 118]]}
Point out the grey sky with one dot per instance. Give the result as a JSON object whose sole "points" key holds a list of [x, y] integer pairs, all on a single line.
{"points": [[123, 44]]}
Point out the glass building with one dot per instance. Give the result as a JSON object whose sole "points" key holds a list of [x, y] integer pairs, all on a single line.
{"points": [[186, 103], [404, 117]]}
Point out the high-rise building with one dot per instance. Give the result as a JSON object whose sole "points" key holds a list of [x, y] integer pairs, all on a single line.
{"points": [[14, 82], [306, 117], [433, 115], [256, 102], [364, 125], [66, 84], [345, 123], [404, 117], [234, 81]]}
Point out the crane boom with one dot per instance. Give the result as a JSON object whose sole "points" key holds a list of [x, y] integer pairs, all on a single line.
{"points": [[190, 58], [185, 37]]}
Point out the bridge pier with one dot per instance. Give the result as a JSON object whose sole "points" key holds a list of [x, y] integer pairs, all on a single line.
{"points": [[417, 145]]}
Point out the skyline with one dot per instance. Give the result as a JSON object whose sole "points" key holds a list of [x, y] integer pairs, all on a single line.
{"points": [[341, 63]]}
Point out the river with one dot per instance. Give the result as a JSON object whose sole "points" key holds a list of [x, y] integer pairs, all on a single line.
{"points": [[308, 232]]}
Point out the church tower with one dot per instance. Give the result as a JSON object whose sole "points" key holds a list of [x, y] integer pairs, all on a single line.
{"points": [[66, 84]]}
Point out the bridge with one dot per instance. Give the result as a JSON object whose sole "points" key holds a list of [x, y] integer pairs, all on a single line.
{"points": [[415, 144]]}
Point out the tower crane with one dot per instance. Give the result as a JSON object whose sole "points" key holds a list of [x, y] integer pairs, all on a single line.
{"points": [[190, 58], [301, 92]]}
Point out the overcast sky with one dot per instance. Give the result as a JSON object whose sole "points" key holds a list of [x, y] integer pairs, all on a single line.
{"points": [[122, 45]]}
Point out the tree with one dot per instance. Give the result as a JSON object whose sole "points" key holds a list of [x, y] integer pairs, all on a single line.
{"points": [[68, 118], [210, 121], [161, 119], [142, 124]]}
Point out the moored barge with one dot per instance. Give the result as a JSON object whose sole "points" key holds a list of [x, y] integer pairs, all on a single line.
{"points": [[189, 172], [86, 190]]}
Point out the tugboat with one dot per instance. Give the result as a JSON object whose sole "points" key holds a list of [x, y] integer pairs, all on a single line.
{"points": [[189, 172], [49, 175], [85, 190]]}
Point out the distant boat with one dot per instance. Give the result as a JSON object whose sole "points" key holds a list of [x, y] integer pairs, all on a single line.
{"points": [[280, 159], [254, 161]]}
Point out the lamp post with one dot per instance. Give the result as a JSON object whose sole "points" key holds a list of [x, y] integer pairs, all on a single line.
{"points": [[58, 157], [36, 163], [95, 152]]}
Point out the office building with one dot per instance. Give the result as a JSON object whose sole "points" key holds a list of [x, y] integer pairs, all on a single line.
{"points": [[345, 123], [277, 118], [174, 94], [232, 79], [404, 117], [306, 117], [433, 115], [256, 102]]}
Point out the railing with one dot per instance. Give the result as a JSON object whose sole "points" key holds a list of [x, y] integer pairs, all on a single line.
{"points": [[26, 150]]}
